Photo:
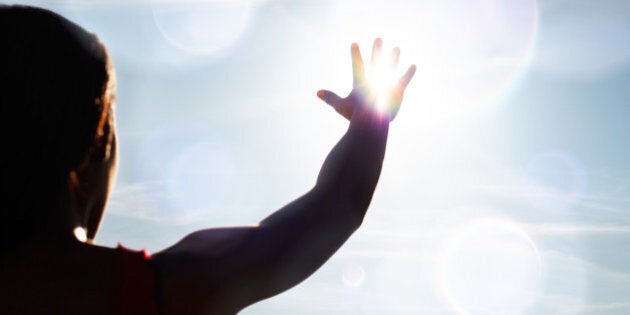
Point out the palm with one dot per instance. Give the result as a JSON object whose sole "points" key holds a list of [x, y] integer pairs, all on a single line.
{"points": [[364, 96]]}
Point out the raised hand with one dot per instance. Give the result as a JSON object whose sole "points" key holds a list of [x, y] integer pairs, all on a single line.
{"points": [[372, 92]]}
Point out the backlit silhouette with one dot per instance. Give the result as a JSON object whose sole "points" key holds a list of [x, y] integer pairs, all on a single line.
{"points": [[59, 161]]}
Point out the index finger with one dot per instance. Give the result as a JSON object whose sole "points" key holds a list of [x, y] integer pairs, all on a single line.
{"points": [[358, 69]]}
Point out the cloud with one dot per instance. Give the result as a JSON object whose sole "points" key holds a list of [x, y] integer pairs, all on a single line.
{"points": [[405, 255], [600, 308], [575, 285], [576, 229], [147, 201]]}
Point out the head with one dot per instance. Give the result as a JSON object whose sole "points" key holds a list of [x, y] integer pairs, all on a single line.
{"points": [[56, 111]]}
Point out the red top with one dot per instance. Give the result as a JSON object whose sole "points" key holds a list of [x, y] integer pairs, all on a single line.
{"points": [[134, 291]]}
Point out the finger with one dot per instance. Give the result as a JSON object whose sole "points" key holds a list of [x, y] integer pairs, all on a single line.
{"points": [[358, 71], [329, 97], [406, 78], [395, 58], [376, 51]]}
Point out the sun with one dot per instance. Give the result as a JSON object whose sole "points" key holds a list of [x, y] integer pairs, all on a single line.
{"points": [[380, 81], [470, 54]]}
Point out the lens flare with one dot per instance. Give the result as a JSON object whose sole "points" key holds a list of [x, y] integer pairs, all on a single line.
{"points": [[202, 27], [199, 178], [558, 180], [353, 275], [491, 267], [196, 169]]}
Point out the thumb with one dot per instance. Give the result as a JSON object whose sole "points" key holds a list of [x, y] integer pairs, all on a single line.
{"points": [[330, 98]]}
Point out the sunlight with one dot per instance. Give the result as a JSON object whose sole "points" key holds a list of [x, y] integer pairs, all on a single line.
{"points": [[491, 267], [469, 53], [380, 81]]}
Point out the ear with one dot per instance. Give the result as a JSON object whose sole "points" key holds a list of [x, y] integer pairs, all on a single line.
{"points": [[90, 185], [102, 176]]}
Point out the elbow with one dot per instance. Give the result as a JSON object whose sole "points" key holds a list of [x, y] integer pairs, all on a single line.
{"points": [[357, 215], [356, 221], [345, 205], [358, 202]]}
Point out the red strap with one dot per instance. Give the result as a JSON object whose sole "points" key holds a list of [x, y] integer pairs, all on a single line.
{"points": [[135, 283]]}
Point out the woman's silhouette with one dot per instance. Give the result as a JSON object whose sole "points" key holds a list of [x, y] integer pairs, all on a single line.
{"points": [[59, 162]]}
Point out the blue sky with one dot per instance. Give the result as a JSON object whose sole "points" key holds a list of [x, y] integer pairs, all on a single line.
{"points": [[505, 186]]}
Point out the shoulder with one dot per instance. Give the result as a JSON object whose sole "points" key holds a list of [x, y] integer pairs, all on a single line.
{"points": [[57, 282]]}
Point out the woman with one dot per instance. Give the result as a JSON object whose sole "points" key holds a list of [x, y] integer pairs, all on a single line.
{"points": [[59, 164]]}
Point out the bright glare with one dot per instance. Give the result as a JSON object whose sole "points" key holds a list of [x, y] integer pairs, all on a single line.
{"points": [[380, 81], [469, 53], [79, 233]]}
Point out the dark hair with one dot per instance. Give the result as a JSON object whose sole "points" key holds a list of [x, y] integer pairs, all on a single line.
{"points": [[56, 94]]}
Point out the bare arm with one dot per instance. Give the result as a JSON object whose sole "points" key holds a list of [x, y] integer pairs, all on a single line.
{"points": [[240, 266]]}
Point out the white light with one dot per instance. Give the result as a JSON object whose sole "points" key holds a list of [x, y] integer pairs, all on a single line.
{"points": [[79, 233], [469, 53], [380, 80]]}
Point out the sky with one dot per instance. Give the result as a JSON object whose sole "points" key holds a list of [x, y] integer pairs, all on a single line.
{"points": [[505, 185]]}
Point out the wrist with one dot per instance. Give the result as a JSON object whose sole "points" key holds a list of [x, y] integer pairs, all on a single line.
{"points": [[370, 114]]}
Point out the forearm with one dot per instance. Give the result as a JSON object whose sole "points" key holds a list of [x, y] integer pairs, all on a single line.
{"points": [[347, 179], [352, 168], [301, 236]]}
